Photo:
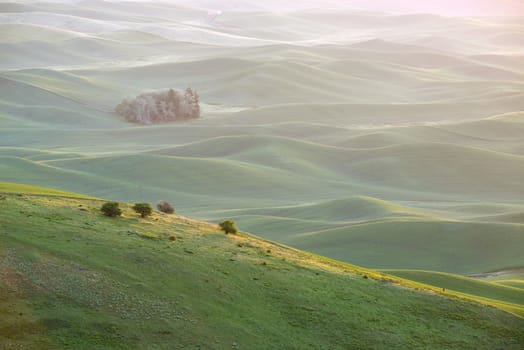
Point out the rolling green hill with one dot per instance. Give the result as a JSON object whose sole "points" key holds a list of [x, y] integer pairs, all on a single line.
{"points": [[501, 292], [456, 247], [72, 278], [512, 278], [20, 189]]}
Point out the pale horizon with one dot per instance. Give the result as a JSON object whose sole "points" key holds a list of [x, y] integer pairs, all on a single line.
{"points": [[441, 7]]}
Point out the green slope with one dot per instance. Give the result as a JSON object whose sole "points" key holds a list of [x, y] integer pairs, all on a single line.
{"points": [[14, 33], [10, 187], [498, 293], [512, 278], [448, 246], [347, 210], [72, 278]]}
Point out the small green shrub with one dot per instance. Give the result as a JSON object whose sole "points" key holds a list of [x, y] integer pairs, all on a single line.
{"points": [[111, 209], [144, 209], [228, 226], [165, 207], [172, 237]]}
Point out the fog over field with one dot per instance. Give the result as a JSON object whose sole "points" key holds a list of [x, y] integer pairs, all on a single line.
{"points": [[388, 134]]}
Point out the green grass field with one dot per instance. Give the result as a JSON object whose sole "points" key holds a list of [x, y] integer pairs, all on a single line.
{"points": [[497, 292], [72, 278], [6, 187], [512, 279], [448, 246]]}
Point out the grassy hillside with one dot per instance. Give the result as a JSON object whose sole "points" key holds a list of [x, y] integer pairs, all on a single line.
{"points": [[511, 296], [512, 278], [457, 247], [73, 279], [20, 189]]}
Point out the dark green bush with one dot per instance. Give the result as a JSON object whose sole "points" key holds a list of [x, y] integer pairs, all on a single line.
{"points": [[228, 226], [144, 209], [111, 209]]}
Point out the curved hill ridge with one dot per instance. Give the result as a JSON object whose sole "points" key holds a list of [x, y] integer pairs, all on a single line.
{"points": [[233, 145], [515, 218], [22, 93], [376, 115], [464, 285], [23, 32], [336, 211], [448, 246], [412, 166]]}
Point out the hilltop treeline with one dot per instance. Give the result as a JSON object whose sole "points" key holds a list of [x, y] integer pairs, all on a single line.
{"points": [[161, 107]]}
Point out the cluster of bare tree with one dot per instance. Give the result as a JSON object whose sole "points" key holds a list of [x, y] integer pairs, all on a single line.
{"points": [[161, 107]]}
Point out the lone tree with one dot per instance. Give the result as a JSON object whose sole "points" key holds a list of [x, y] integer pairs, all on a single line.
{"points": [[111, 209], [144, 209], [228, 226], [165, 207]]}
